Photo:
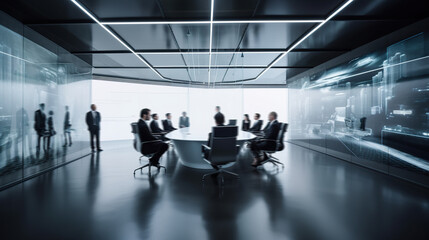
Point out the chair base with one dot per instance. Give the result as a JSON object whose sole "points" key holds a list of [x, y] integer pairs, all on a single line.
{"points": [[149, 167], [273, 160], [221, 172]]}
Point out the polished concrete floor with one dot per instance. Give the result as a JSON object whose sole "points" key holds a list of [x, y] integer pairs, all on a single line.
{"points": [[313, 197]]}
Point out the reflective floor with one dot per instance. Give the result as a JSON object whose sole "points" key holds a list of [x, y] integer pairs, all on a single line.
{"points": [[313, 197]]}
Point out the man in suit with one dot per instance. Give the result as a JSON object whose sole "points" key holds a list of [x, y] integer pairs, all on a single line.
{"points": [[267, 142], [154, 127], [150, 144], [257, 125], [184, 120], [93, 119], [67, 128], [40, 123], [217, 110], [219, 121], [167, 124]]}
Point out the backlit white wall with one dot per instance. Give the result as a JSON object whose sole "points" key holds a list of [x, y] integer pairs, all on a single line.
{"points": [[120, 104]]}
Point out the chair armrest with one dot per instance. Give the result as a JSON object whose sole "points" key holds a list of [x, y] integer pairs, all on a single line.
{"points": [[151, 141], [205, 147]]}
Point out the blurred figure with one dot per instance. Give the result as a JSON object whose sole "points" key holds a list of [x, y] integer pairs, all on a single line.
{"points": [[184, 121], [22, 129], [217, 110], [257, 125], [40, 124], [167, 124], [151, 145], [154, 127], [267, 142], [50, 133], [93, 119], [219, 121], [67, 128], [245, 126]]}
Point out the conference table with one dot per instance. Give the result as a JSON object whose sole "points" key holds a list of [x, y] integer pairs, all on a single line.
{"points": [[187, 144]]}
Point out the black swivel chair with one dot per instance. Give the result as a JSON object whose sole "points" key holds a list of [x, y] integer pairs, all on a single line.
{"points": [[138, 145], [279, 146], [223, 149]]}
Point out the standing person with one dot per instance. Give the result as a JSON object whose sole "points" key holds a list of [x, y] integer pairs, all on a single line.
{"points": [[151, 145], [184, 121], [40, 124], [167, 124], [67, 128], [246, 123], [93, 119], [217, 110], [51, 131]]}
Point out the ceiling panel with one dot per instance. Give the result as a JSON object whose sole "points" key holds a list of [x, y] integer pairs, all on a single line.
{"points": [[79, 37], [227, 9], [193, 36], [140, 73], [297, 8], [123, 9], [302, 59], [227, 36], [273, 35], [161, 60], [236, 74], [116, 60], [177, 74], [272, 76], [146, 36], [186, 9], [253, 59]]}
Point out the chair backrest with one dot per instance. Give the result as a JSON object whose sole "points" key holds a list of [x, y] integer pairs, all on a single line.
{"points": [[232, 122], [280, 136], [137, 141], [223, 145]]}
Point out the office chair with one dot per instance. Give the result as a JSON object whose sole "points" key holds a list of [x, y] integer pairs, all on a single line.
{"points": [[279, 146], [138, 145], [223, 150]]}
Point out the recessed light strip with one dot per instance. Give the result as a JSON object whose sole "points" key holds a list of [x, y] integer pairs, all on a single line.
{"points": [[211, 39], [305, 37], [116, 37], [208, 22], [205, 53]]}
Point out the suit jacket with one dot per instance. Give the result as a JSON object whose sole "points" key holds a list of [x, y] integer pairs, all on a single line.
{"points": [[67, 120], [39, 121], [256, 126], [93, 124], [184, 122], [144, 132], [271, 131], [167, 125], [245, 126], [155, 127]]}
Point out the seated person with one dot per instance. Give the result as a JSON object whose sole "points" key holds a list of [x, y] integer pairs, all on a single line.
{"points": [[257, 125], [167, 124], [219, 121], [184, 121], [150, 144], [154, 127], [267, 142], [246, 123]]}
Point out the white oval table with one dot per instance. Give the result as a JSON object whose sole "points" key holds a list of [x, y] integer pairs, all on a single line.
{"points": [[187, 144]]}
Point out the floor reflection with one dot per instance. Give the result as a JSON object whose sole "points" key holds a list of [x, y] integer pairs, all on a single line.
{"points": [[313, 197]]}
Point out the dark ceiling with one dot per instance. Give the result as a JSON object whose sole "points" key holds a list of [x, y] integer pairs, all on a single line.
{"points": [[179, 52]]}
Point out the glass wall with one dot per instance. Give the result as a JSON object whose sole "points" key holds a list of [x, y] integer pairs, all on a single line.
{"points": [[372, 110], [44, 93], [120, 104]]}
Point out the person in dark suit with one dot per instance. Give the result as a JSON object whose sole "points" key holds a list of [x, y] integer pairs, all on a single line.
{"points": [[93, 119], [40, 124], [151, 143], [267, 142], [184, 121], [246, 123], [257, 125], [167, 124], [217, 110], [50, 133], [219, 121], [67, 128], [154, 127]]}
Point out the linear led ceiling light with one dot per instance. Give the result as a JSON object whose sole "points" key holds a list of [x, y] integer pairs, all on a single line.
{"points": [[211, 38], [305, 37], [116, 37], [208, 22]]}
